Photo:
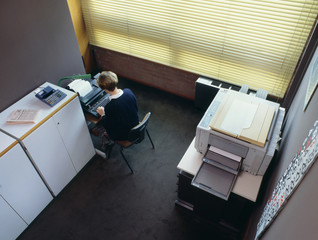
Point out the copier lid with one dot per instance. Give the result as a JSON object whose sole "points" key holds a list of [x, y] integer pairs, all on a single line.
{"points": [[244, 117]]}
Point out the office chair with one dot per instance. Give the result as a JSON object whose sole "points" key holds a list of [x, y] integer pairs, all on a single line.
{"points": [[135, 135]]}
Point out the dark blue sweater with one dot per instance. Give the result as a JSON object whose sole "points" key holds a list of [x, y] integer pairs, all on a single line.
{"points": [[121, 114]]}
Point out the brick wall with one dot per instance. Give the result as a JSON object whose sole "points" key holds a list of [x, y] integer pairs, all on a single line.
{"points": [[169, 79]]}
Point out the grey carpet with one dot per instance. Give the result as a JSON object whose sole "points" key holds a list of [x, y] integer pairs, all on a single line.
{"points": [[104, 201]]}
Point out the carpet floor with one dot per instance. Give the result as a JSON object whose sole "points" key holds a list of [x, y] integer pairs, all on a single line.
{"points": [[106, 201]]}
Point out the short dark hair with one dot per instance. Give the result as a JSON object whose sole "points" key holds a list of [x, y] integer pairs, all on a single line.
{"points": [[107, 80]]}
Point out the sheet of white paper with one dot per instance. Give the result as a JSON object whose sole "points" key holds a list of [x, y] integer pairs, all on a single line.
{"points": [[239, 116], [81, 86]]}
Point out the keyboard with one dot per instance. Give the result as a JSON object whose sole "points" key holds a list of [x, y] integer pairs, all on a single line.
{"points": [[99, 103]]}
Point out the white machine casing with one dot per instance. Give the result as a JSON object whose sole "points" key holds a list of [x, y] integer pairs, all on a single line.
{"points": [[256, 159]]}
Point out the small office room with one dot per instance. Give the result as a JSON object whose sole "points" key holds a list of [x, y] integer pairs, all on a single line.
{"points": [[45, 41]]}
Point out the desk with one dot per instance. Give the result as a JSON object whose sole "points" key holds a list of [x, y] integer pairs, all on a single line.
{"points": [[229, 216], [60, 136], [38, 160]]}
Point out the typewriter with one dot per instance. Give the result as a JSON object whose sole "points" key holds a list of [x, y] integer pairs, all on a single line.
{"points": [[91, 96]]}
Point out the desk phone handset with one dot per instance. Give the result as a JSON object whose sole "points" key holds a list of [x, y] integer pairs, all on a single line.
{"points": [[50, 96]]}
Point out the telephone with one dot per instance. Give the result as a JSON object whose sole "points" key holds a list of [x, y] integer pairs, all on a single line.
{"points": [[50, 96]]}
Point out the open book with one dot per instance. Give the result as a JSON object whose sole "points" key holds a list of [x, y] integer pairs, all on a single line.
{"points": [[23, 116]]}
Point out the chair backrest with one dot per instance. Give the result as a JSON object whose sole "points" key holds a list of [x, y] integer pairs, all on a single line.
{"points": [[137, 133]]}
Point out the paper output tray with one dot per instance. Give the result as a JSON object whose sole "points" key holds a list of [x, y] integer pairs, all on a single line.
{"points": [[214, 180], [222, 159]]}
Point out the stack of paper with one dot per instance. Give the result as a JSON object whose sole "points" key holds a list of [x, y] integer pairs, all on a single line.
{"points": [[23, 116]]}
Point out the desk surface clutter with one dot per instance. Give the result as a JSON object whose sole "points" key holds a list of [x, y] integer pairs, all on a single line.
{"points": [[31, 102]]}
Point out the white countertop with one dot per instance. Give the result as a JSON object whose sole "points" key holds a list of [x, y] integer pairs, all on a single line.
{"points": [[31, 102]]}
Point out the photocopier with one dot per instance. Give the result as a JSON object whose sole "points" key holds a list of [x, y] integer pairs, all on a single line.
{"points": [[238, 132]]}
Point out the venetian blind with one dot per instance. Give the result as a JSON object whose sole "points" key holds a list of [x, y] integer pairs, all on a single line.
{"points": [[237, 41]]}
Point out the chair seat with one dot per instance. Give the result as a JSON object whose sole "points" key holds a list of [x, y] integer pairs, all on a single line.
{"points": [[124, 143]]}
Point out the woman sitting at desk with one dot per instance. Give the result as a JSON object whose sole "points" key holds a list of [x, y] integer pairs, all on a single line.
{"points": [[121, 113]]}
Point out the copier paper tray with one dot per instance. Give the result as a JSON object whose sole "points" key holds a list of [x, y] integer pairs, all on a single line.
{"points": [[217, 173], [214, 180]]}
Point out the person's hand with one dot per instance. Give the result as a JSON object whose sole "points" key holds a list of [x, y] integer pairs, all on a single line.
{"points": [[100, 111]]}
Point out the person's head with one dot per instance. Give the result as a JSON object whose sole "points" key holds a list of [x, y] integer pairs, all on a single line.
{"points": [[107, 80]]}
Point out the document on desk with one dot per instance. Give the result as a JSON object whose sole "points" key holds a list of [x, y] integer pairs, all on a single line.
{"points": [[21, 116], [82, 87]]}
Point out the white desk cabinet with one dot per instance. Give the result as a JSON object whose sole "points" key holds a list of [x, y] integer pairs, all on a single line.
{"points": [[59, 143], [72, 127], [61, 146], [23, 194], [11, 223], [21, 186], [49, 153]]}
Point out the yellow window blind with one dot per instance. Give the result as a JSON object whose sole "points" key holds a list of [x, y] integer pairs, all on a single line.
{"points": [[254, 42]]}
